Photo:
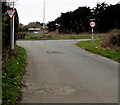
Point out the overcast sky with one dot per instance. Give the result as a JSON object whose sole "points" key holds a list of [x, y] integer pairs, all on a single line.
{"points": [[32, 10]]}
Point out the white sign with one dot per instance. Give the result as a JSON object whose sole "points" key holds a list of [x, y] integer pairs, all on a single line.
{"points": [[31, 29], [92, 24], [34, 29], [11, 13], [37, 29]]}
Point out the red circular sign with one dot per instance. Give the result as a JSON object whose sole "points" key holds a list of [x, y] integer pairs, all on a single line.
{"points": [[92, 24]]}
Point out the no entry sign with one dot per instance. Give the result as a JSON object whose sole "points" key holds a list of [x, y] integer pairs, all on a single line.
{"points": [[92, 24], [11, 13]]}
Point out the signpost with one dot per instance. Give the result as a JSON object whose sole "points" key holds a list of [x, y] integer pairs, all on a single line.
{"points": [[92, 24], [11, 15]]}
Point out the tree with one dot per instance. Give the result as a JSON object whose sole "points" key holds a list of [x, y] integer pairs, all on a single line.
{"points": [[81, 19], [77, 21], [51, 26], [64, 22], [107, 16], [74, 21]]}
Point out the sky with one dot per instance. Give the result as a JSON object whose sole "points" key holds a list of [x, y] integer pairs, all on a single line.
{"points": [[32, 10]]}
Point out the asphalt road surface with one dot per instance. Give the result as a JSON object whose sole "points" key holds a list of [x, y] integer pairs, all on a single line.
{"points": [[60, 72]]}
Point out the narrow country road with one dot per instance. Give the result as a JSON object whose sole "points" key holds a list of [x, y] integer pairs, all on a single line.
{"points": [[60, 72]]}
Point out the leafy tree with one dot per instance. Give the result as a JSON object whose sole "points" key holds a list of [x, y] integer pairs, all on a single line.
{"points": [[81, 18], [51, 26], [74, 21], [106, 16]]}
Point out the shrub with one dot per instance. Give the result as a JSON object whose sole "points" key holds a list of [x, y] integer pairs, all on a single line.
{"points": [[113, 40], [116, 40], [106, 42]]}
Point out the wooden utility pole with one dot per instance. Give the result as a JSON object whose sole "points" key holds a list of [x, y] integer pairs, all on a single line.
{"points": [[44, 18]]}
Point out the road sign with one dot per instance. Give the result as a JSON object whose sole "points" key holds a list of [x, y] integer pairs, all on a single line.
{"points": [[92, 19], [11, 13], [92, 24]]}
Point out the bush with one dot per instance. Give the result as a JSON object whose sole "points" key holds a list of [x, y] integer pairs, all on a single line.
{"points": [[116, 40], [115, 37], [112, 40], [106, 42]]}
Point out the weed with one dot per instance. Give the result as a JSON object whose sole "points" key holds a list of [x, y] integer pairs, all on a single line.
{"points": [[12, 75]]}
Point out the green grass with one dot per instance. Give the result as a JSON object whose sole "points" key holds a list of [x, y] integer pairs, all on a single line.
{"points": [[107, 52], [0, 88], [33, 35], [56, 37], [74, 36], [12, 75], [62, 36]]}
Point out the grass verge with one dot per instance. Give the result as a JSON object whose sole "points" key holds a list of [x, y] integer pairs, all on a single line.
{"points": [[12, 76], [96, 49], [32, 36], [62, 36], [55, 37]]}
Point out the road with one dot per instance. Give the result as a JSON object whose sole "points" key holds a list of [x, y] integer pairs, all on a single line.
{"points": [[60, 72]]}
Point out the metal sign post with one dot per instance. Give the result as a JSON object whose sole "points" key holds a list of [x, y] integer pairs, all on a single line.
{"points": [[92, 37], [11, 35], [92, 24], [11, 15]]}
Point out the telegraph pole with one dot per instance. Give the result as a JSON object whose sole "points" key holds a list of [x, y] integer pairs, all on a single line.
{"points": [[44, 18]]}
